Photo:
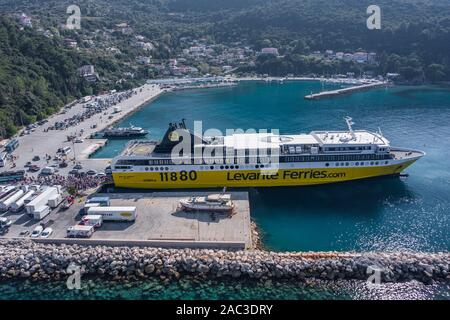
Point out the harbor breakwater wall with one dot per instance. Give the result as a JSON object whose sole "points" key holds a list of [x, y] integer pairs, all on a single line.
{"points": [[36, 261]]}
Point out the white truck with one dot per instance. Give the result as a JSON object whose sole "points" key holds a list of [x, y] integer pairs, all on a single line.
{"points": [[7, 201], [87, 206], [18, 205], [41, 213], [114, 213], [42, 199], [80, 231], [92, 220], [55, 201]]}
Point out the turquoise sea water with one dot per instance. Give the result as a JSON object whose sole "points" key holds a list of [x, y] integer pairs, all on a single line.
{"points": [[188, 289], [378, 214]]}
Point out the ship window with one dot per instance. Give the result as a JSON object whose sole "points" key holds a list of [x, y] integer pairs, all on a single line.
{"points": [[357, 164], [221, 167], [386, 162], [156, 168], [212, 167], [231, 167], [146, 168], [237, 167], [347, 164], [337, 164], [327, 164], [227, 167], [167, 168], [257, 167], [377, 163]]}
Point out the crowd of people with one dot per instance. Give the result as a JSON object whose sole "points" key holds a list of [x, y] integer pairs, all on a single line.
{"points": [[77, 182]]}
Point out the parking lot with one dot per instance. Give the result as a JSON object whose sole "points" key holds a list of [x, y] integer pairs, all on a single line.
{"points": [[158, 220]]}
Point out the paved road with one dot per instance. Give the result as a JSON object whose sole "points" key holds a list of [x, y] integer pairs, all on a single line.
{"points": [[41, 143]]}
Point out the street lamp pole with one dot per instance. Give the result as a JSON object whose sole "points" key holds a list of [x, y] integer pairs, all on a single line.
{"points": [[74, 154]]}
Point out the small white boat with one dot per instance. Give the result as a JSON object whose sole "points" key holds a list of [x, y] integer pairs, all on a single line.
{"points": [[211, 203]]}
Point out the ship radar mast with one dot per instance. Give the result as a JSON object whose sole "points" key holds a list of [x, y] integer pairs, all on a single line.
{"points": [[350, 123]]}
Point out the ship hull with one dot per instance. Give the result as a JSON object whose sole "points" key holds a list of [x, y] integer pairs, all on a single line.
{"points": [[284, 177]]}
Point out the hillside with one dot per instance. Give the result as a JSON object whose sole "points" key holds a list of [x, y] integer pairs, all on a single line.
{"points": [[36, 77], [38, 74]]}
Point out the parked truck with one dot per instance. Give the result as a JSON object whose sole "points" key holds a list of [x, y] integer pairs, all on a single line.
{"points": [[41, 213], [7, 201], [92, 220], [6, 191], [42, 199], [102, 201], [80, 231], [55, 201], [114, 213], [87, 206], [19, 204]]}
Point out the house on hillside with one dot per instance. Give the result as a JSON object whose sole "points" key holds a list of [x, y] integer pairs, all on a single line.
{"points": [[88, 73]]}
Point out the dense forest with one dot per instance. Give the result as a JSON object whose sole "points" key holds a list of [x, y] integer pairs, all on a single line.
{"points": [[36, 77], [38, 74]]}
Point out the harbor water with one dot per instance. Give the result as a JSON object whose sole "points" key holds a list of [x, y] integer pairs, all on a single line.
{"points": [[191, 289], [383, 214]]}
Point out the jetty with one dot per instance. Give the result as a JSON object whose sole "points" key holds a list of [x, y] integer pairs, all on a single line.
{"points": [[338, 92]]}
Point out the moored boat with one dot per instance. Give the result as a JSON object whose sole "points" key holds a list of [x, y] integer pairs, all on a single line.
{"points": [[210, 203]]}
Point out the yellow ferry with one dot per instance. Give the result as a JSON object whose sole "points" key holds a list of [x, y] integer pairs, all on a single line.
{"points": [[258, 159]]}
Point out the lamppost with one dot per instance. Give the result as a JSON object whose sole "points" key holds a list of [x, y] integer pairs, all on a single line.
{"points": [[74, 154]]}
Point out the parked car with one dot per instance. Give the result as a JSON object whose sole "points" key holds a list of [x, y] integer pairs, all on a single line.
{"points": [[73, 171], [79, 141], [63, 164], [46, 233], [91, 172], [34, 168], [37, 232], [47, 171], [101, 174], [36, 158], [78, 166], [27, 164], [5, 222]]}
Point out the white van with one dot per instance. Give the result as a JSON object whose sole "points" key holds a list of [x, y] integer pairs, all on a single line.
{"points": [[48, 171], [66, 150]]}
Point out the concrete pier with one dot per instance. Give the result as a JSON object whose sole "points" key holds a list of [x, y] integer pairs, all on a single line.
{"points": [[159, 223], [332, 93]]}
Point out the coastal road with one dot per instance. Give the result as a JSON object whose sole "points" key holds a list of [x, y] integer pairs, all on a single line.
{"points": [[39, 143]]}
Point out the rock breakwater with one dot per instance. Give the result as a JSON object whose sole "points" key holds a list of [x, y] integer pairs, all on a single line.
{"points": [[27, 259]]}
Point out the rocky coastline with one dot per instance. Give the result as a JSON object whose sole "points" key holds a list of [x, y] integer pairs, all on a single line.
{"points": [[35, 261]]}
